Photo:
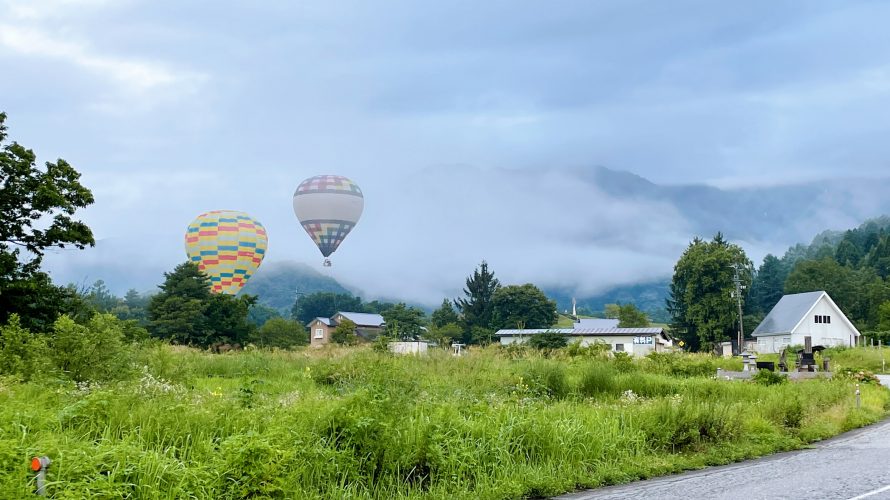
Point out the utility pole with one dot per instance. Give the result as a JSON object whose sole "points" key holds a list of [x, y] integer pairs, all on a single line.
{"points": [[737, 294]]}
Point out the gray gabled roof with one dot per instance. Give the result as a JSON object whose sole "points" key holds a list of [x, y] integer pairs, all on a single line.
{"points": [[363, 319], [326, 321], [787, 313], [596, 323]]}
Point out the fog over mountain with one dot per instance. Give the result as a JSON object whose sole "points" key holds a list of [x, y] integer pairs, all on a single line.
{"points": [[580, 231]]}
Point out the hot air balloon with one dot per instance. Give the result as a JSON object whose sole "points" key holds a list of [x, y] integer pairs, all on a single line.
{"points": [[328, 207], [228, 246]]}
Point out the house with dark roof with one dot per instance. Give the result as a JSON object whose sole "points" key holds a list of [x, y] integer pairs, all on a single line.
{"points": [[367, 326], [811, 314], [634, 341]]}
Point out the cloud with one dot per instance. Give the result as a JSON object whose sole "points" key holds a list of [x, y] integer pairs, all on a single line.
{"points": [[131, 75]]}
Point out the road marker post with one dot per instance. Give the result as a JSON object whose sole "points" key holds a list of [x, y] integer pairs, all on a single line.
{"points": [[857, 396]]}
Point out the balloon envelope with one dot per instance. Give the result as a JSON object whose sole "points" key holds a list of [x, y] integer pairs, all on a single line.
{"points": [[328, 207], [228, 246]]}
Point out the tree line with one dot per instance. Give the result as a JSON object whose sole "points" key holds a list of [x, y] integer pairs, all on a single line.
{"points": [[853, 267]]}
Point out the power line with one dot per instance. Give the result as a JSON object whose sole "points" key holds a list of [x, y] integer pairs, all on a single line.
{"points": [[737, 294]]}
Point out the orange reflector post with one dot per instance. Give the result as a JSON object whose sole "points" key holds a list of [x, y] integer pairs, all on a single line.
{"points": [[35, 464]]}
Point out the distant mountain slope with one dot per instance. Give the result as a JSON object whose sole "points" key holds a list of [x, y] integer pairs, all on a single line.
{"points": [[649, 297], [277, 284], [782, 213]]}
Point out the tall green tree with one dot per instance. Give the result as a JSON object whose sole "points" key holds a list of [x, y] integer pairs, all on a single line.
{"points": [[879, 258], [280, 332], [702, 310], [631, 317], [523, 306], [476, 305], [847, 254], [404, 322], [324, 305], [37, 206], [768, 286], [444, 315], [185, 312]]}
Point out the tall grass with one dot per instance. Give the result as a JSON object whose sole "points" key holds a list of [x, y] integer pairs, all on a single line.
{"points": [[352, 423]]}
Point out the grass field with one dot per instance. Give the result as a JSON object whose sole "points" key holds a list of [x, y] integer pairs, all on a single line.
{"points": [[353, 423]]}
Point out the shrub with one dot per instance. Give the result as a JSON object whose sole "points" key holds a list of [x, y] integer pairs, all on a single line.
{"points": [[768, 377], [623, 362], [549, 380], [280, 332], [94, 352], [548, 341], [595, 350], [21, 352]]}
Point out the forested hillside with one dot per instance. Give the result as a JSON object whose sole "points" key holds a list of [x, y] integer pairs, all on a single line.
{"points": [[852, 266]]}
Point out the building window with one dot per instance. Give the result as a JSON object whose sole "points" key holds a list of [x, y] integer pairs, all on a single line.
{"points": [[319, 333], [827, 319], [818, 319], [619, 347]]}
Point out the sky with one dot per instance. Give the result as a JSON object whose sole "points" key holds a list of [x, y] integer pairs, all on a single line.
{"points": [[465, 123]]}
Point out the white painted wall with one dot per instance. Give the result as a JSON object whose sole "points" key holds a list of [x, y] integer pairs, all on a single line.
{"points": [[836, 333], [408, 347], [627, 341]]}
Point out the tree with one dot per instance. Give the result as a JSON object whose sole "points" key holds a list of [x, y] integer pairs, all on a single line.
{"points": [[858, 292], [37, 206], [768, 285], [323, 305], [526, 306], [344, 333], [612, 311], [476, 307], [403, 322], [884, 316], [631, 317], [879, 258], [445, 335], [847, 254], [185, 312], [280, 332], [700, 304], [101, 298], [444, 315]]}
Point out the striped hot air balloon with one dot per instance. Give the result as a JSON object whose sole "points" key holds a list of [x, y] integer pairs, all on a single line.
{"points": [[328, 207], [228, 246]]}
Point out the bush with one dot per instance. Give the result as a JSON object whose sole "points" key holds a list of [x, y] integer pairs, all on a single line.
{"points": [[280, 332], [91, 352], [21, 352], [548, 341], [768, 377], [549, 380]]}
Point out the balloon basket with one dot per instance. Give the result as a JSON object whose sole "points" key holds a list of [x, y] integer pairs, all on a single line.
{"points": [[326, 263]]}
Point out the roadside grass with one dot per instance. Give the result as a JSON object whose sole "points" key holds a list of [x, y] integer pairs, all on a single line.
{"points": [[353, 423]]}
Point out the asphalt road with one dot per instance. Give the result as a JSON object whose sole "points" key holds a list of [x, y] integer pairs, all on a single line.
{"points": [[853, 466]]}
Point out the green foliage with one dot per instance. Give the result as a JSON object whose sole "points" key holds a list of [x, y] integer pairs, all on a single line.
{"points": [[185, 312], [404, 322], [36, 213], [631, 317], [701, 313], [360, 424], [767, 287], [612, 311], [858, 292], [344, 334], [445, 335], [324, 305], [548, 341], [444, 315], [767, 377], [523, 306], [21, 352], [94, 352], [280, 332], [476, 306], [884, 316], [259, 314]]}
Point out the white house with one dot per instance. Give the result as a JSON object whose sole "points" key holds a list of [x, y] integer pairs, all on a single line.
{"points": [[796, 316], [634, 341]]}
